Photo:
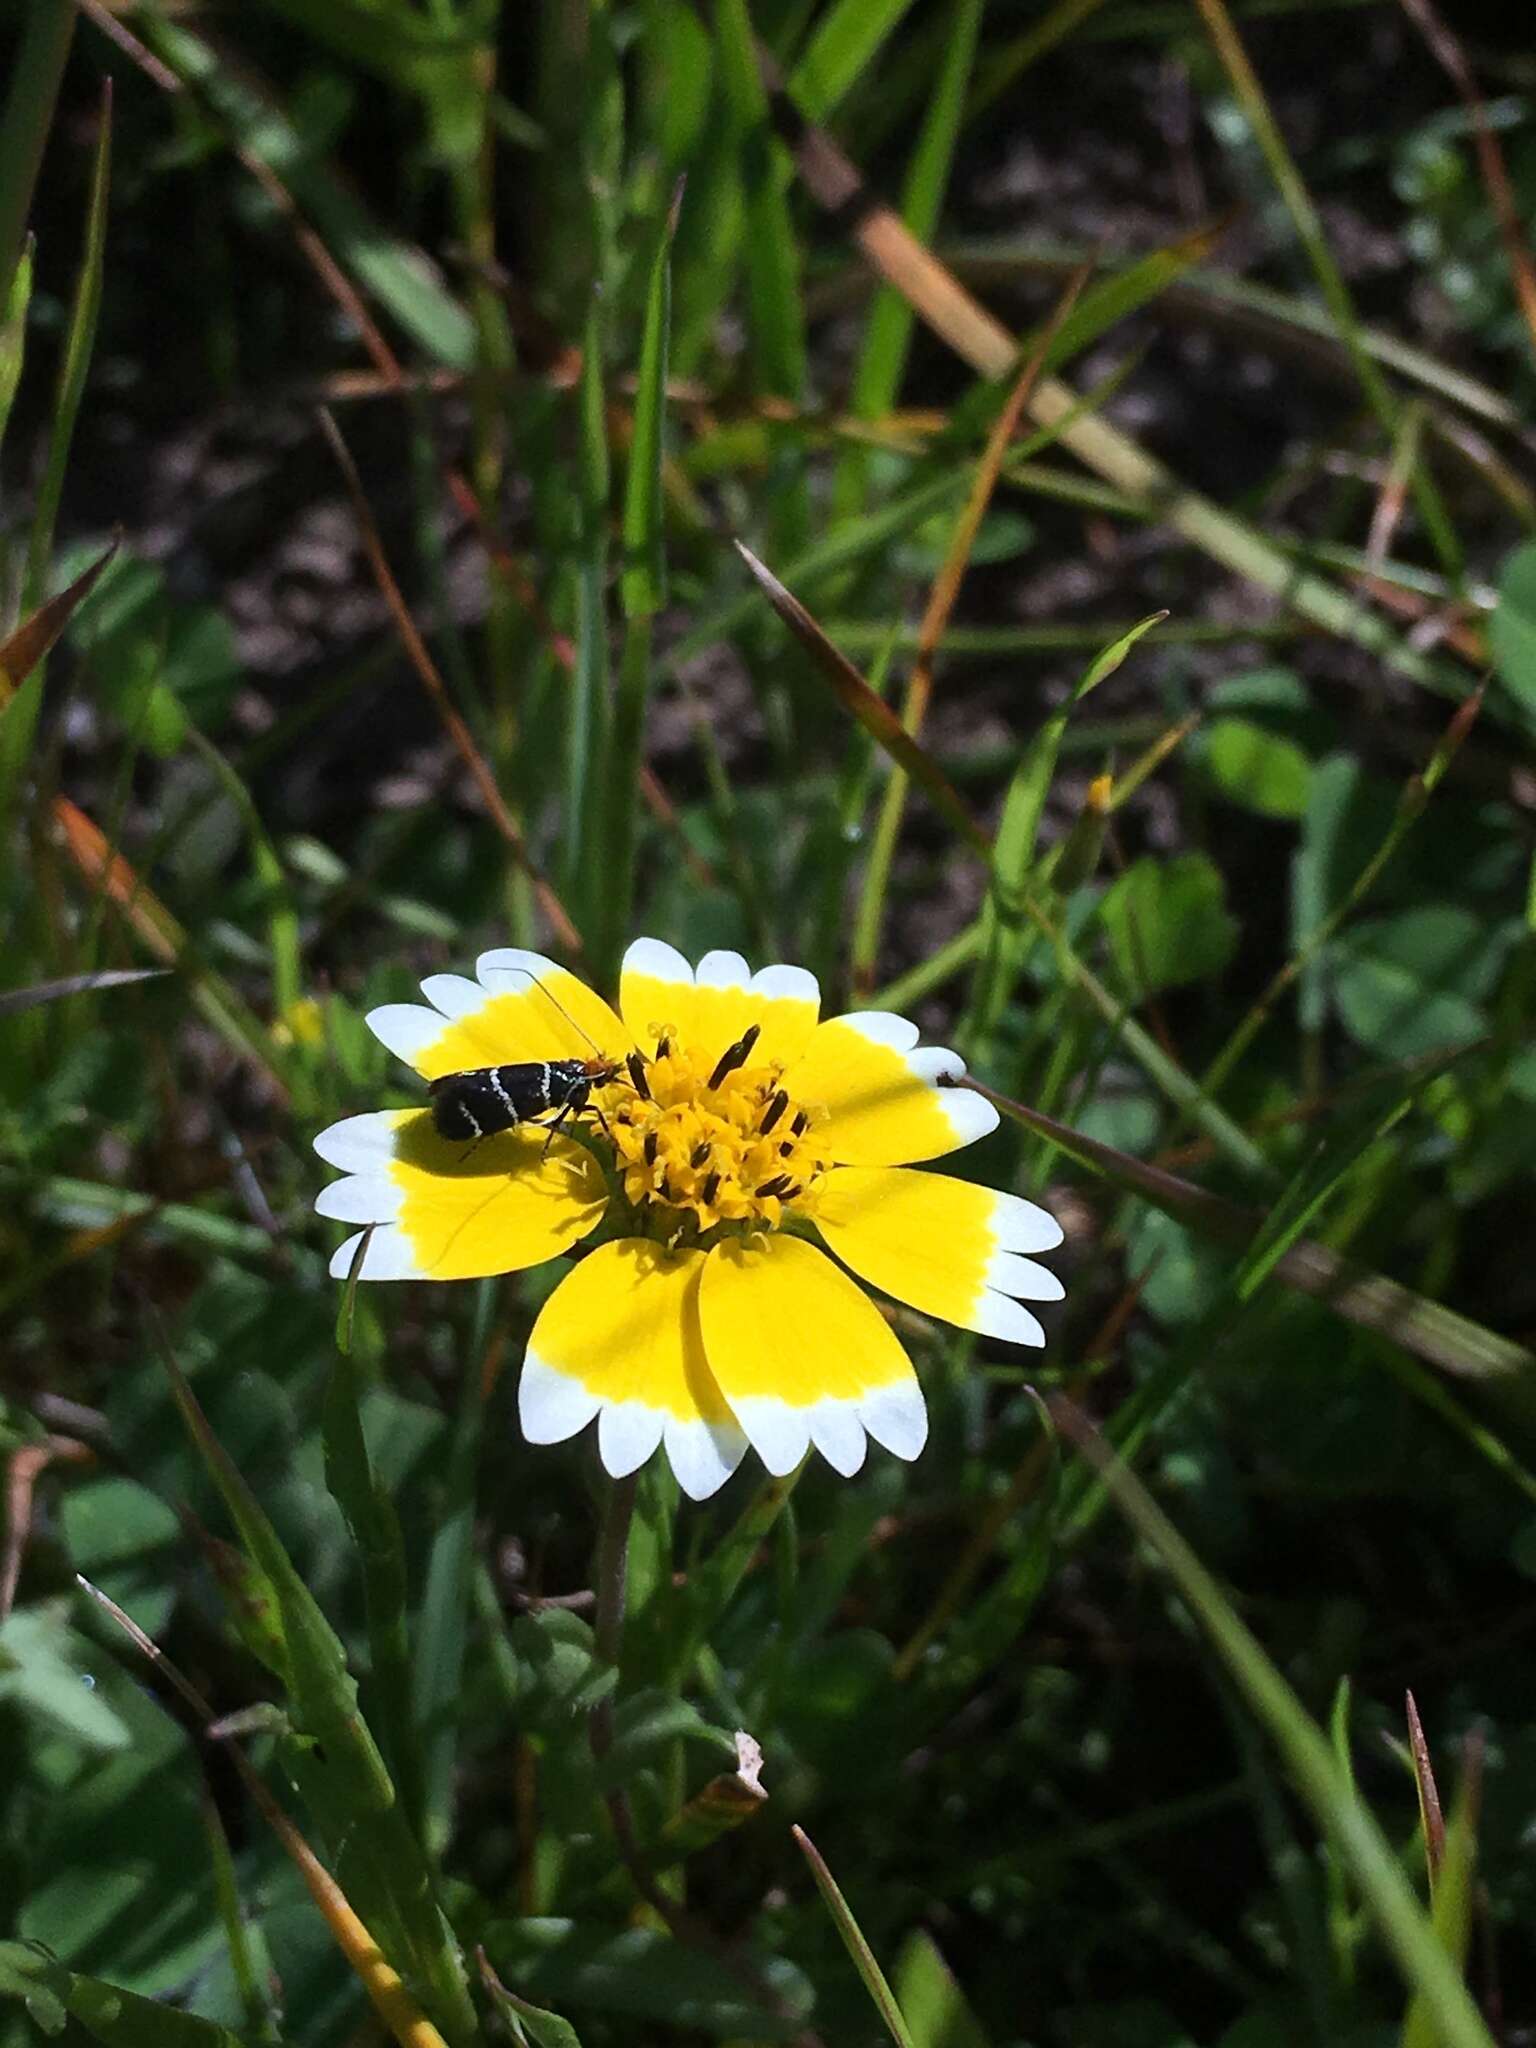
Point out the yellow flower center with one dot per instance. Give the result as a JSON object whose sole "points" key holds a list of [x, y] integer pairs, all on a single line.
{"points": [[703, 1142]]}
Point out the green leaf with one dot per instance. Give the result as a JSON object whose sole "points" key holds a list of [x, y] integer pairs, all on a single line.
{"points": [[1411, 984], [644, 1974], [1257, 769], [116, 2018], [1168, 922], [39, 1675], [13, 332], [847, 38], [1512, 628], [932, 2003]]}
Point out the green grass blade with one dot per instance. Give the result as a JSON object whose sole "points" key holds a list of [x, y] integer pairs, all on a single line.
{"points": [[13, 333], [333, 1756], [1336, 1807], [870, 1973], [375, 1528], [771, 251], [397, 275], [586, 725], [79, 339], [1005, 930], [643, 583], [877, 379], [36, 71], [846, 39]]}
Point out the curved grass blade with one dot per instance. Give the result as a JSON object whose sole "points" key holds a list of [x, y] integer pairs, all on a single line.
{"points": [[870, 1973], [1437, 1334], [876, 716], [13, 1000], [1336, 1807]]}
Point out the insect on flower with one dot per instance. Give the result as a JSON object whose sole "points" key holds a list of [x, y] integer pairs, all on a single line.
{"points": [[485, 1100], [751, 1163]]}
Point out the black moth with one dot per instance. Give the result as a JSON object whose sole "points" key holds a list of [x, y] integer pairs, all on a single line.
{"points": [[485, 1100]]}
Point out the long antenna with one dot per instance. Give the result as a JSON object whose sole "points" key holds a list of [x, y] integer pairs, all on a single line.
{"points": [[550, 997]]}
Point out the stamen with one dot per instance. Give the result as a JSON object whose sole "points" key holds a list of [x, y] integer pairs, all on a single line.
{"points": [[776, 1109], [735, 1055], [776, 1186], [663, 1047], [636, 1066], [651, 1143], [786, 1148], [699, 1154], [710, 1189], [801, 1123]]}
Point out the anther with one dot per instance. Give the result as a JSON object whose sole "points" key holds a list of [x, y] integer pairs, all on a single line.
{"points": [[786, 1148], [776, 1109], [636, 1066], [698, 1155], [795, 1188], [801, 1123], [650, 1148], [710, 1189], [776, 1186], [663, 1047], [735, 1055]]}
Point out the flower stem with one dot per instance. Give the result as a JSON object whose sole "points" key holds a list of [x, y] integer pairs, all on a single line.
{"points": [[611, 1581]]}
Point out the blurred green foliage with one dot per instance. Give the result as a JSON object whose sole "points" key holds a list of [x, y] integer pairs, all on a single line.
{"points": [[1258, 912]]}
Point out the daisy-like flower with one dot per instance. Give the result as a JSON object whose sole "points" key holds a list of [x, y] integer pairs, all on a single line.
{"points": [[728, 1129]]}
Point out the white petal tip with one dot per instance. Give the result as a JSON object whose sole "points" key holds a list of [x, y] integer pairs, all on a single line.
{"points": [[405, 1029], [703, 1455], [362, 1198], [778, 1432], [551, 1406], [390, 1256], [657, 961], [627, 1434], [838, 1434], [897, 1418]]}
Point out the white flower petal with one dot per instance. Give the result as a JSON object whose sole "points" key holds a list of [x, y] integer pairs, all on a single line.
{"points": [[779, 1433], [838, 1434], [1024, 1226], [787, 984], [1023, 1278], [360, 1142], [551, 1406], [997, 1315], [882, 1027], [627, 1433], [720, 969], [896, 1417], [407, 1029], [454, 995], [361, 1198], [390, 1256], [657, 961], [703, 1455]]}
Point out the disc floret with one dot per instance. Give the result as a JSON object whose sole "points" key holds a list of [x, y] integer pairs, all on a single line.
{"points": [[707, 1148]]}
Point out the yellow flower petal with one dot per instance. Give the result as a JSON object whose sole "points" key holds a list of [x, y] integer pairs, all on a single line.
{"points": [[803, 1357], [450, 1211], [619, 1339], [877, 1085], [709, 1007], [948, 1248], [519, 1007]]}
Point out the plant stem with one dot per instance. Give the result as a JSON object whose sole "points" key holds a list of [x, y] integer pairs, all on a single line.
{"points": [[611, 1579]]}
